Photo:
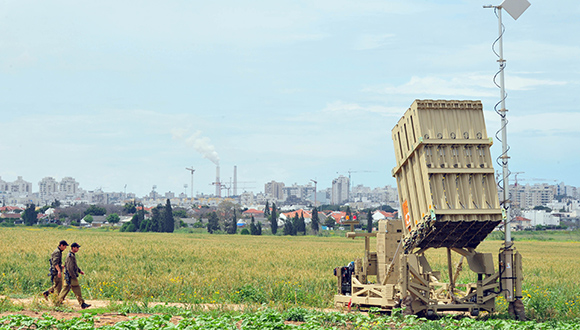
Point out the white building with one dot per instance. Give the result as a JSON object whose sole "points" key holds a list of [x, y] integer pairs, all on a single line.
{"points": [[530, 196], [69, 186], [48, 187], [541, 218], [275, 190], [340, 190], [20, 187], [3, 186]]}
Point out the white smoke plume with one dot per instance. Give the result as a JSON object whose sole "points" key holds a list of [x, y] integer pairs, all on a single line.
{"points": [[200, 143]]}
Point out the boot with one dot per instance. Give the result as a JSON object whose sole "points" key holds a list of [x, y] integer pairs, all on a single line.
{"points": [[85, 305]]}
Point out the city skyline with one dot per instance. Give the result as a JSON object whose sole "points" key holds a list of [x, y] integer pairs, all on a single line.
{"points": [[285, 91], [53, 185]]}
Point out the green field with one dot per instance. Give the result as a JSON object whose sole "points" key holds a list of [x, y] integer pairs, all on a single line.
{"points": [[276, 271]]}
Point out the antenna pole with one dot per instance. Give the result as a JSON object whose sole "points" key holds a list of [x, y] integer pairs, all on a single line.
{"points": [[504, 144]]}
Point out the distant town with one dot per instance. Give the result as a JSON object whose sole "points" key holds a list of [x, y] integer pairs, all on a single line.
{"points": [[532, 205]]}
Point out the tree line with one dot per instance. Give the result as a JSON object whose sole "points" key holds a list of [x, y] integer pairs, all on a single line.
{"points": [[161, 220], [223, 219]]}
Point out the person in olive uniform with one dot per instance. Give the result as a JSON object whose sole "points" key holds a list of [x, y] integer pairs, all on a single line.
{"points": [[71, 274], [56, 270]]}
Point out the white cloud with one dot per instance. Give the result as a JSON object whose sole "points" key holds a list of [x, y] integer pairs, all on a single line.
{"points": [[542, 52], [463, 85], [547, 123], [340, 107], [436, 86], [370, 42], [520, 83]]}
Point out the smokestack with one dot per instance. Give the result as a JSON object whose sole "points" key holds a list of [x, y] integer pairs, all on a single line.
{"points": [[218, 185], [235, 180]]}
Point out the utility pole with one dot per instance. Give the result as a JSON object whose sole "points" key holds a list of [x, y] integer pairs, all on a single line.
{"points": [[191, 170]]}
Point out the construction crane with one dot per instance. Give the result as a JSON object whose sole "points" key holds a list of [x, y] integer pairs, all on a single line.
{"points": [[516, 177], [315, 182], [349, 175], [191, 170]]}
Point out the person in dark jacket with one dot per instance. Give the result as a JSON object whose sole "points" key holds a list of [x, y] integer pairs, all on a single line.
{"points": [[56, 269], [71, 274]]}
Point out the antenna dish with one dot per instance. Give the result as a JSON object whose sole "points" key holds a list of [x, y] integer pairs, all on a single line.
{"points": [[515, 7]]}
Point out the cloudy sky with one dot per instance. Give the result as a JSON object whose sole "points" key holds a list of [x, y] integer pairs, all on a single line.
{"points": [[117, 93]]}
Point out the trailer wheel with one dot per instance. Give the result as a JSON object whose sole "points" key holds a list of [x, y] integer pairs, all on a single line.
{"points": [[520, 310], [406, 305]]}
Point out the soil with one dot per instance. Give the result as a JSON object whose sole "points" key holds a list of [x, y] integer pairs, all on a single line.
{"points": [[36, 307]]}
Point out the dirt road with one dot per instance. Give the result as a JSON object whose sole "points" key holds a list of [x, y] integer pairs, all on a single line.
{"points": [[33, 305]]}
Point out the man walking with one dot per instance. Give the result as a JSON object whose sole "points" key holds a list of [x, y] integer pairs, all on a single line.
{"points": [[56, 270], [71, 274]]}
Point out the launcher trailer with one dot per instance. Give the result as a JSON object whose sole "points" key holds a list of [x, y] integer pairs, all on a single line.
{"points": [[449, 200]]}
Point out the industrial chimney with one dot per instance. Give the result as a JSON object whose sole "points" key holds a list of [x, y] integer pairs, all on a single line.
{"points": [[235, 181], [218, 185]]}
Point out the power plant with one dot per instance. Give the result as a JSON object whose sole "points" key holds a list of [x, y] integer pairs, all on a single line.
{"points": [[218, 185]]}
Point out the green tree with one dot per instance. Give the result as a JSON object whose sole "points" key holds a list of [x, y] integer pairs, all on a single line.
{"points": [[138, 217], [128, 227], [156, 219], [288, 227], [226, 209], [29, 216], [266, 210], [233, 226], [330, 207], [169, 221], [145, 226], [387, 208], [135, 221], [274, 220], [213, 224], [130, 208], [253, 228], [330, 222], [198, 224], [259, 227], [301, 224], [89, 218], [113, 218], [95, 210], [543, 208], [295, 224], [180, 213], [315, 222], [369, 222]]}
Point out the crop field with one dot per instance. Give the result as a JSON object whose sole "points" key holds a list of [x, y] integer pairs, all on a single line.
{"points": [[272, 271]]}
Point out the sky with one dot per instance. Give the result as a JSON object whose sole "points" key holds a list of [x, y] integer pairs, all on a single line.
{"points": [[125, 95]]}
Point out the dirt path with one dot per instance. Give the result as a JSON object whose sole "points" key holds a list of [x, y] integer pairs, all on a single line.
{"points": [[32, 305]]}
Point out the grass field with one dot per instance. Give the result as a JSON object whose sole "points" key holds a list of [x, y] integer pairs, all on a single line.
{"points": [[273, 270]]}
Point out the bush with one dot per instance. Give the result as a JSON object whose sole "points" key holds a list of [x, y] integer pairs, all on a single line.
{"points": [[7, 223], [245, 231], [128, 227], [250, 293]]}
